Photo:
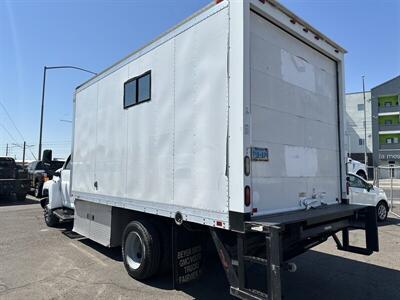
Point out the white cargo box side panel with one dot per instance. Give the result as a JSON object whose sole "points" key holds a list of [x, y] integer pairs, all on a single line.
{"points": [[201, 115], [84, 140], [111, 154], [294, 114], [150, 130], [168, 154]]}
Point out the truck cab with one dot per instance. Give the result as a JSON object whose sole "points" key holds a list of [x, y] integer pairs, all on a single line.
{"points": [[58, 204]]}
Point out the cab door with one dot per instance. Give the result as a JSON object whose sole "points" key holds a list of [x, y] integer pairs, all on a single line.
{"points": [[65, 183], [360, 191]]}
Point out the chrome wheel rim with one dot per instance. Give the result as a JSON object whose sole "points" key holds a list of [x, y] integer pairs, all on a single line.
{"points": [[134, 250], [382, 212]]}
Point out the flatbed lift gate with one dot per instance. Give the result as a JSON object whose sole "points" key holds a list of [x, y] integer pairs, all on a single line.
{"points": [[285, 236]]}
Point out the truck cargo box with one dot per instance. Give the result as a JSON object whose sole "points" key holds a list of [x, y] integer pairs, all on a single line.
{"points": [[236, 112]]}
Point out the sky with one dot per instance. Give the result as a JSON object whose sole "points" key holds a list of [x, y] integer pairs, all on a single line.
{"points": [[95, 34]]}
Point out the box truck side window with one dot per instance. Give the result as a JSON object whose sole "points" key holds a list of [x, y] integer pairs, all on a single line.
{"points": [[144, 87], [137, 90], [130, 93]]}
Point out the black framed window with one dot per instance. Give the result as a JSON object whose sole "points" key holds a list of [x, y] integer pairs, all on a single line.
{"points": [[137, 90]]}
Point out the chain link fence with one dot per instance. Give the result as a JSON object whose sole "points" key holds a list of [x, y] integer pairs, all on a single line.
{"points": [[388, 179]]}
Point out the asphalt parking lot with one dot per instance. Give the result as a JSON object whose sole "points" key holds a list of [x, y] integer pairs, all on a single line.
{"points": [[37, 262]]}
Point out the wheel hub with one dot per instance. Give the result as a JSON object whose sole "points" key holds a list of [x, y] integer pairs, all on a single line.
{"points": [[134, 250]]}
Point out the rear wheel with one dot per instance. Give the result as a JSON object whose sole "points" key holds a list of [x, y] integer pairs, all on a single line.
{"points": [[141, 249], [382, 211], [50, 218]]}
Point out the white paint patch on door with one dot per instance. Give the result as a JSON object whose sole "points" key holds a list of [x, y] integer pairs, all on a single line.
{"points": [[297, 70], [301, 161]]}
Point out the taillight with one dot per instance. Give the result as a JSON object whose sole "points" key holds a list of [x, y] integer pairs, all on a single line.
{"points": [[247, 165], [247, 196]]}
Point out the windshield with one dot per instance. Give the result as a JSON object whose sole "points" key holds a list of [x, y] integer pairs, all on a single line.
{"points": [[55, 165]]}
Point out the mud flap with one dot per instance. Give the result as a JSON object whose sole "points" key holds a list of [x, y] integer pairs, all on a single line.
{"points": [[188, 252]]}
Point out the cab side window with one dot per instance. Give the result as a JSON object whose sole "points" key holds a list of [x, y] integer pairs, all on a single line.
{"points": [[357, 182], [68, 164]]}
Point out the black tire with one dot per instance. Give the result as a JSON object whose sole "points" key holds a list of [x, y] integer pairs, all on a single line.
{"points": [[382, 211], [50, 218], [144, 233], [38, 189], [362, 174]]}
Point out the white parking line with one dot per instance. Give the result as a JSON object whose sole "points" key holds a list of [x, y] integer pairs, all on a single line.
{"points": [[89, 254]]}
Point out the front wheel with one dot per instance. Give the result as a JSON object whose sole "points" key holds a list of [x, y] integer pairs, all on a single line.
{"points": [[50, 218], [382, 211], [362, 174], [141, 249]]}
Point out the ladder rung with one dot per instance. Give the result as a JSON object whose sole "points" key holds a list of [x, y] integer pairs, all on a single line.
{"points": [[255, 259], [248, 294]]}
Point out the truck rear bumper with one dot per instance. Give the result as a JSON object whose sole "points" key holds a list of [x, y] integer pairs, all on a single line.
{"points": [[272, 240], [14, 186]]}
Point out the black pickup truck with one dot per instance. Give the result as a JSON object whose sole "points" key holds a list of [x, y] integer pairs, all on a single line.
{"points": [[14, 179], [42, 170]]}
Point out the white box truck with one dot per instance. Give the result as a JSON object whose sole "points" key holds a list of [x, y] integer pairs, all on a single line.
{"points": [[231, 123]]}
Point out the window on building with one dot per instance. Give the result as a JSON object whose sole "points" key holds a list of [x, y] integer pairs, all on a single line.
{"points": [[388, 122], [389, 141], [360, 107], [361, 142], [137, 90], [388, 104], [395, 140]]}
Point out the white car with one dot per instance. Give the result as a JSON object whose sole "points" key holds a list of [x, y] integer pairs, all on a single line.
{"points": [[362, 192], [356, 167]]}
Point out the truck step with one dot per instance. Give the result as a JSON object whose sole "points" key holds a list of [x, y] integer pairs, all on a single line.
{"points": [[256, 260], [64, 214], [248, 294]]}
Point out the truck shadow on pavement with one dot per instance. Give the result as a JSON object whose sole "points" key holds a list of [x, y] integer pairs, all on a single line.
{"points": [[319, 276], [9, 201], [390, 221]]}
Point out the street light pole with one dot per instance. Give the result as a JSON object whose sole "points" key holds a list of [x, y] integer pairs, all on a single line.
{"points": [[41, 114], [365, 126], [45, 68]]}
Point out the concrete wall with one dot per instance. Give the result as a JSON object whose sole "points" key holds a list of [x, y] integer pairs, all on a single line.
{"points": [[355, 123]]}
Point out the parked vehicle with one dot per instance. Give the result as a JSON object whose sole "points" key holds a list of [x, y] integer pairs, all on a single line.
{"points": [[58, 189], [364, 193], [231, 126], [13, 179], [356, 167], [42, 170]]}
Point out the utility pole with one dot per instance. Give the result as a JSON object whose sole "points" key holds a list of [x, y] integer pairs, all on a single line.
{"points": [[23, 154], [7, 150], [365, 127]]}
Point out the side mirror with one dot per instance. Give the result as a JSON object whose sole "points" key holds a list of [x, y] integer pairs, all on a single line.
{"points": [[370, 187], [58, 174]]}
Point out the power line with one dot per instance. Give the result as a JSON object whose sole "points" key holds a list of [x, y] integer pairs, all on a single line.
{"points": [[16, 128], [8, 132]]}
